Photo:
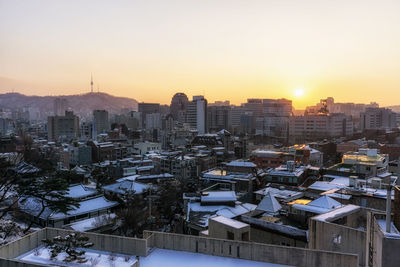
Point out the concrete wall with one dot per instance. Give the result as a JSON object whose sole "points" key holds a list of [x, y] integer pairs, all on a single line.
{"points": [[338, 238], [23, 245], [15, 263], [18, 247], [252, 251], [267, 237], [109, 243], [382, 250]]}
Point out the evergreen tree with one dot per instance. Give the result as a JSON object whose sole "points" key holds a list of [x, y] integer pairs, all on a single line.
{"points": [[50, 192]]}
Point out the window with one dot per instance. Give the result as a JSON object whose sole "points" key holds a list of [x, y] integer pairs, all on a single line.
{"points": [[245, 236], [230, 235]]}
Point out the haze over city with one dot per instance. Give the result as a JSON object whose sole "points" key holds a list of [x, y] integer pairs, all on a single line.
{"points": [[226, 50]]}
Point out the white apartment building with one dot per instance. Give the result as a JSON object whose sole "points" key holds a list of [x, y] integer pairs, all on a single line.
{"points": [[308, 127]]}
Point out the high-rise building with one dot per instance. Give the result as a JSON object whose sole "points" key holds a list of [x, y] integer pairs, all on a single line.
{"points": [[270, 117], [218, 117], [235, 114], [63, 126], [148, 108], [3, 126], [60, 106], [153, 121], [197, 114], [178, 107], [86, 130], [100, 120], [378, 118]]}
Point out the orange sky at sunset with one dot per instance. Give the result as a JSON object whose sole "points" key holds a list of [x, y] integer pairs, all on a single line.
{"points": [[227, 50]]}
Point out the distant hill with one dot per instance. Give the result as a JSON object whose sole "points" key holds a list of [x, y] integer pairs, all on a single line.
{"points": [[82, 104]]}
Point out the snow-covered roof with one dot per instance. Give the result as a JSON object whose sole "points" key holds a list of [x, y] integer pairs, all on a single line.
{"points": [[86, 206], [199, 214], [238, 163], [155, 176], [218, 196], [394, 232], [33, 206], [280, 193], [325, 202], [230, 222], [79, 170], [325, 186], [223, 175], [337, 213], [25, 168], [269, 204], [266, 153], [126, 186], [80, 191], [284, 171], [318, 206]]}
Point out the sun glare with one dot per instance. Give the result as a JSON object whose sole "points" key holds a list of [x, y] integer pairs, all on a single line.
{"points": [[298, 92]]}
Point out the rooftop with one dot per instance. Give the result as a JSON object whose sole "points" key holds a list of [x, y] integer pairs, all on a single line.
{"points": [[126, 186], [218, 196], [238, 163], [80, 191]]}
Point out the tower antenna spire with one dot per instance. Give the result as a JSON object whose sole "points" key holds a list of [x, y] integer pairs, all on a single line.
{"points": [[91, 83]]}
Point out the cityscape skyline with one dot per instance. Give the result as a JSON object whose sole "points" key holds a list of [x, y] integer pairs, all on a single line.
{"points": [[258, 49]]}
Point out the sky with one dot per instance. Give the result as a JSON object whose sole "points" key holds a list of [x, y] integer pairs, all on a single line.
{"points": [[224, 49]]}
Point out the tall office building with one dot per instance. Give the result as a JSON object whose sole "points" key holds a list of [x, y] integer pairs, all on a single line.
{"points": [[60, 106], [66, 126], [218, 117], [148, 108], [197, 114], [100, 120]]}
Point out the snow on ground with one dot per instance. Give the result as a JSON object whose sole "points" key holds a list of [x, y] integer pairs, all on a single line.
{"points": [[164, 257], [97, 258], [92, 223]]}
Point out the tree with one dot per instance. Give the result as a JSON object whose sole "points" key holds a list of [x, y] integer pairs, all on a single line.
{"points": [[133, 214], [101, 178], [50, 192], [9, 180], [70, 176], [170, 199], [69, 244]]}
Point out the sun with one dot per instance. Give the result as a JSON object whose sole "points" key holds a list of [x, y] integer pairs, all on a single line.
{"points": [[298, 92]]}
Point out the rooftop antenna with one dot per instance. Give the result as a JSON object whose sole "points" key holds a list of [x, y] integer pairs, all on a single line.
{"points": [[91, 83]]}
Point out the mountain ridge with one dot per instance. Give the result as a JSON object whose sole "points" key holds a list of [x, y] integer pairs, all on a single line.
{"points": [[82, 104]]}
